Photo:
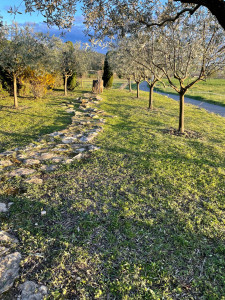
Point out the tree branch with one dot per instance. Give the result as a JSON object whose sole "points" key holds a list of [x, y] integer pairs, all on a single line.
{"points": [[172, 19]]}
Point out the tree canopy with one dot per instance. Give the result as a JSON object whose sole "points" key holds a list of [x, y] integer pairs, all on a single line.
{"points": [[105, 15]]}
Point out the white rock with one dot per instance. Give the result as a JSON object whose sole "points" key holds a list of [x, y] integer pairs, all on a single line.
{"points": [[43, 212], [31, 162], [7, 238], [21, 172], [5, 163], [34, 180], [69, 140], [32, 291], [9, 270], [3, 207]]}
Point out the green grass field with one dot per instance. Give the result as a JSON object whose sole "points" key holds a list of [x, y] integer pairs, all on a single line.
{"points": [[142, 218], [32, 119], [211, 90]]}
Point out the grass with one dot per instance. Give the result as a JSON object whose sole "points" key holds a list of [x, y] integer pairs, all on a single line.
{"points": [[33, 118], [143, 218], [211, 91]]}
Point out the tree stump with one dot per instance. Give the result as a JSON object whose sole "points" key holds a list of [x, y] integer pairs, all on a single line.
{"points": [[97, 87]]}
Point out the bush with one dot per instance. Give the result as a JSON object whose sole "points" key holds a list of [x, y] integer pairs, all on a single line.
{"points": [[39, 84], [107, 74], [72, 82]]}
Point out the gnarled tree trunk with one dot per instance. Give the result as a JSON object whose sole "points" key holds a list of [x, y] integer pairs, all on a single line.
{"points": [[138, 83], [15, 91], [65, 85], [150, 103], [181, 113]]}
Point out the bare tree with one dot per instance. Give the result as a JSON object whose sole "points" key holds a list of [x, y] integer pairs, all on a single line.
{"points": [[190, 58]]}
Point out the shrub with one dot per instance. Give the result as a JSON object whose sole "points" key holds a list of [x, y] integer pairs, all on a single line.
{"points": [[107, 74], [72, 82]]}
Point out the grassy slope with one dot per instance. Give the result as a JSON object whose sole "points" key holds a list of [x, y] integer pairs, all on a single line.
{"points": [[212, 91], [143, 218], [33, 118]]}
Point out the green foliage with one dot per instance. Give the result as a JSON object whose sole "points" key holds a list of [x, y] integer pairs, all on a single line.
{"points": [[107, 74], [72, 82]]}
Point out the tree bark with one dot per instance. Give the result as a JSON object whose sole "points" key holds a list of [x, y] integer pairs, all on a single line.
{"points": [[181, 113], [15, 91], [138, 83], [65, 85], [130, 87], [150, 104]]}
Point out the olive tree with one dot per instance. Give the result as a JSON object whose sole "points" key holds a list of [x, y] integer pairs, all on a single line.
{"points": [[189, 58], [22, 50], [66, 60]]}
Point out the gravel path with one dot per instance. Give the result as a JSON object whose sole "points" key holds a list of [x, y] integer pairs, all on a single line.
{"points": [[217, 109]]}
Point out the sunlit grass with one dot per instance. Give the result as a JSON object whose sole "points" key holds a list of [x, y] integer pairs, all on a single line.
{"points": [[142, 218]]}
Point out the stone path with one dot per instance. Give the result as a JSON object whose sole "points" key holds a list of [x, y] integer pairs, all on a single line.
{"points": [[57, 148], [30, 163]]}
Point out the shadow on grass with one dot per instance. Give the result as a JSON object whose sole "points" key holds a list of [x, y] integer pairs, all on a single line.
{"points": [[133, 241]]}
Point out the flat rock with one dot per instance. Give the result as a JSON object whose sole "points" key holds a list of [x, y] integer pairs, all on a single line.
{"points": [[34, 180], [7, 238], [21, 172], [5, 163], [31, 162], [32, 291], [46, 156], [3, 207], [48, 168], [93, 148], [9, 270], [3, 250], [55, 133], [69, 140]]}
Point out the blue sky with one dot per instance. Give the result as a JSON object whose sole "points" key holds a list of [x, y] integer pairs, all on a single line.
{"points": [[76, 33]]}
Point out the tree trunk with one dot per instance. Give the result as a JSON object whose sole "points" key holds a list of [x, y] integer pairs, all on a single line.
{"points": [[138, 83], [97, 86], [65, 85], [130, 87], [181, 115], [150, 105], [82, 81], [15, 91]]}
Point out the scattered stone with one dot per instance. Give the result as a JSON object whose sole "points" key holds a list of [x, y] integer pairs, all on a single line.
{"points": [[34, 180], [43, 212], [9, 204], [21, 172], [69, 140], [9, 270], [70, 111], [80, 150], [55, 133], [7, 238], [3, 250], [48, 168], [31, 162], [93, 148], [5, 163], [46, 156], [3, 208], [32, 291]]}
